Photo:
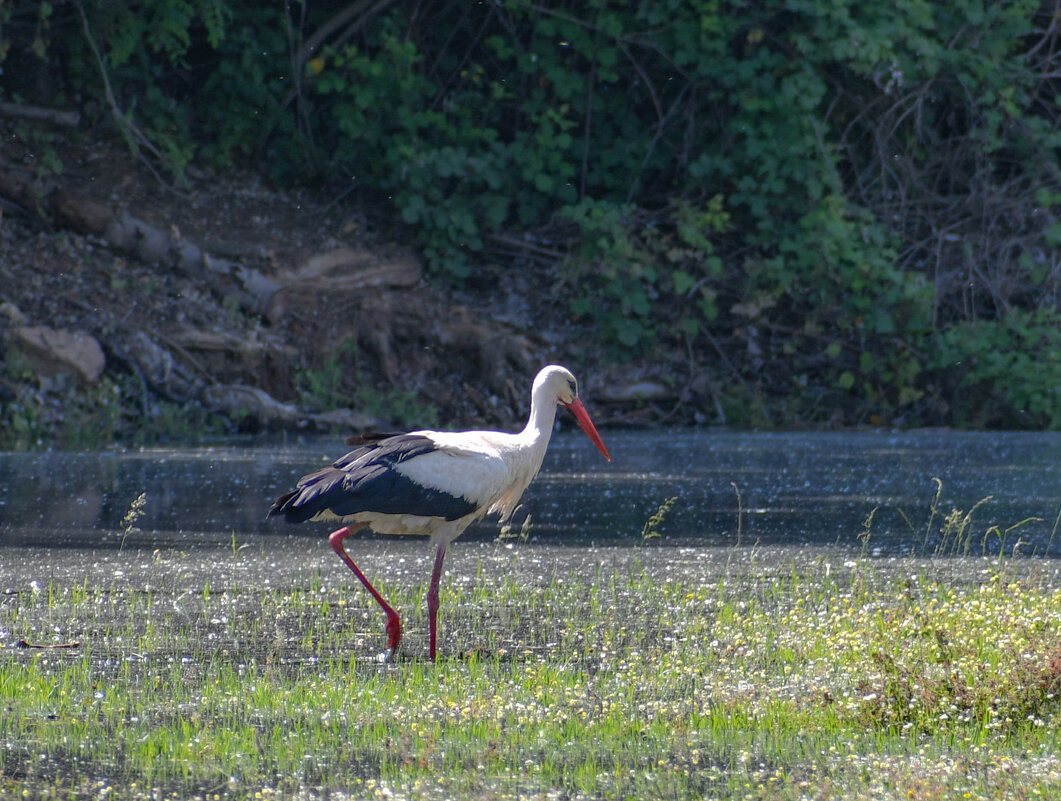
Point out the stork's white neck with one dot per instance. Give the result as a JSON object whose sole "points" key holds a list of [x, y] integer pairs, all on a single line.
{"points": [[539, 426]]}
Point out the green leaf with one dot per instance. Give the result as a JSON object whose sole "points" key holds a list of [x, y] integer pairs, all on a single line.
{"points": [[683, 281]]}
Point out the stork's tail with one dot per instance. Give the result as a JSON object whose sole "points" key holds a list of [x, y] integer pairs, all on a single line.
{"points": [[314, 495], [285, 506]]}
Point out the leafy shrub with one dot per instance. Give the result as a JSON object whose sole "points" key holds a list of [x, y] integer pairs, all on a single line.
{"points": [[642, 278], [828, 203], [1005, 372]]}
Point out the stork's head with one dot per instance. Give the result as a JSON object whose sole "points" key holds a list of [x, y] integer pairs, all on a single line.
{"points": [[559, 385]]}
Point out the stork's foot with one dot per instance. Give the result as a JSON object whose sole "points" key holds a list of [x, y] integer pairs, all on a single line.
{"points": [[387, 657], [394, 637]]}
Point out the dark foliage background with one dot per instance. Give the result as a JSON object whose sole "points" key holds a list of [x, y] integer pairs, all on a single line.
{"points": [[840, 211]]}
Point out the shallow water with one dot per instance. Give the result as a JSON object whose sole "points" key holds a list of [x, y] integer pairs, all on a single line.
{"points": [[794, 489], [206, 587]]}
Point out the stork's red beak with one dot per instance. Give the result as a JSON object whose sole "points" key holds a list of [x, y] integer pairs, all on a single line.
{"points": [[580, 413]]}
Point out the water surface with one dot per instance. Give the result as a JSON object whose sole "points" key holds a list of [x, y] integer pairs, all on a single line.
{"points": [[787, 489]]}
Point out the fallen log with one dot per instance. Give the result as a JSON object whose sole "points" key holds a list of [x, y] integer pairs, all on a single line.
{"points": [[236, 400], [248, 287]]}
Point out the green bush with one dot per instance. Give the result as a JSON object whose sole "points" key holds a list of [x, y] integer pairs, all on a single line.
{"points": [[1005, 373], [827, 204]]}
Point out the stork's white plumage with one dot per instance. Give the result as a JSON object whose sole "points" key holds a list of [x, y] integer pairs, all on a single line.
{"points": [[434, 483]]}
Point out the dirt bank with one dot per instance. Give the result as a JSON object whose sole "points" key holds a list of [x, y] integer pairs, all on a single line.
{"points": [[226, 304]]}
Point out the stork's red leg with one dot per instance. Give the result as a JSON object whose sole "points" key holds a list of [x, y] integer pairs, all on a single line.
{"points": [[432, 595], [394, 624]]}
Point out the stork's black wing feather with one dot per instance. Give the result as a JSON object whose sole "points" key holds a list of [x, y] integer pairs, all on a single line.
{"points": [[369, 438], [365, 480], [389, 450]]}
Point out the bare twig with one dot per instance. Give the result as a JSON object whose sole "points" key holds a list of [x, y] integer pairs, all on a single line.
{"points": [[661, 119], [133, 135]]}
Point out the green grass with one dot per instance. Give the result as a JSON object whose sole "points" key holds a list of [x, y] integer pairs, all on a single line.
{"points": [[610, 673]]}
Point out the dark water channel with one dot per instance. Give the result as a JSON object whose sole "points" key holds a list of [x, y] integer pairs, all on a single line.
{"points": [[794, 489]]}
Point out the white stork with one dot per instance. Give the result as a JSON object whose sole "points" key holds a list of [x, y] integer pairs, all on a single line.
{"points": [[434, 483]]}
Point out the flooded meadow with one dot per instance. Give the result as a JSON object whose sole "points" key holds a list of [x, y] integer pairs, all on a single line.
{"points": [[812, 617]]}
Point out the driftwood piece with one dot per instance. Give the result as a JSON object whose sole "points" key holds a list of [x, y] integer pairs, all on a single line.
{"points": [[239, 399], [341, 270], [255, 353], [347, 269]]}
